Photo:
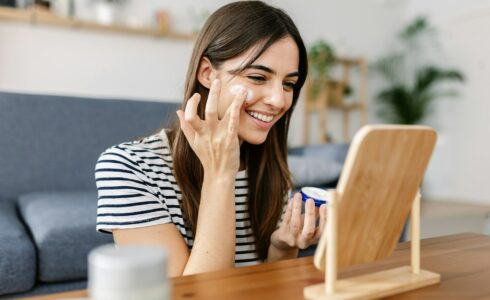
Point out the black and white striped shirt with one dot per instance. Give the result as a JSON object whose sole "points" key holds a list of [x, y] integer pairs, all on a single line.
{"points": [[137, 188]]}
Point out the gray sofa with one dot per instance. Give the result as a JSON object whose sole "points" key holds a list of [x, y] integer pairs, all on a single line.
{"points": [[48, 200], [49, 147]]}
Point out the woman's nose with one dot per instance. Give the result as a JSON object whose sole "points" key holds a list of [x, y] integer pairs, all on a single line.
{"points": [[276, 97]]}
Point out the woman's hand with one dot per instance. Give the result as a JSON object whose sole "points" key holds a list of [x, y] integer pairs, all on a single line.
{"points": [[214, 141], [299, 230]]}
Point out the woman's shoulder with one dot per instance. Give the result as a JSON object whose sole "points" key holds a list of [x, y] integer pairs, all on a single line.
{"points": [[153, 147], [152, 143]]}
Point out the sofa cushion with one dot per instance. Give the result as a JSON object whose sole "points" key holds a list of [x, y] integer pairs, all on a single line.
{"points": [[17, 253], [317, 165], [336, 152], [52, 135], [312, 170], [63, 228], [43, 288]]}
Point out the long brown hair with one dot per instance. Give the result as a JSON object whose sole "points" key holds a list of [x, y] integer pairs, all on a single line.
{"points": [[229, 32]]}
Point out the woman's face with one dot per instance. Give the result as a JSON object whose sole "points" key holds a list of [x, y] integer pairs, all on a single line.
{"points": [[270, 80]]}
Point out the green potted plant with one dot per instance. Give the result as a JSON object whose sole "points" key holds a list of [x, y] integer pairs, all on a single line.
{"points": [[320, 58], [412, 84]]}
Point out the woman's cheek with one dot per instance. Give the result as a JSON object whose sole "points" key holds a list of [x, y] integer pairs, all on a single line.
{"points": [[235, 89]]}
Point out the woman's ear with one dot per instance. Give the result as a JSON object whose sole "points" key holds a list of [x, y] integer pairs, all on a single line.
{"points": [[206, 73]]}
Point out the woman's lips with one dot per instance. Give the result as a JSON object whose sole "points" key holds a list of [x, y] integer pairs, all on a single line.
{"points": [[260, 123]]}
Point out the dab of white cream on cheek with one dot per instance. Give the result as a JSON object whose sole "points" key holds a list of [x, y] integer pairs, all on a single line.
{"points": [[235, 89]]}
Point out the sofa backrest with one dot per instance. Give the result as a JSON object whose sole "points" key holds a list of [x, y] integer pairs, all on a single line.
{"points": [[53, 142]]}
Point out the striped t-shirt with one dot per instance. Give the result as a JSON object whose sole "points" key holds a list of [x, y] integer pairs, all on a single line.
{"points": [[137, 188]]}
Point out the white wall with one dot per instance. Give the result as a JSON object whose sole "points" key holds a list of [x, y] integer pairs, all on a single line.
{"points": [[354, 28], [460, 169], [71, 62], [52, 60]]}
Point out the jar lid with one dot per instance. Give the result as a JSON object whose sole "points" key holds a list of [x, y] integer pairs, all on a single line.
{"points": [[319, 196], [127, 267]]}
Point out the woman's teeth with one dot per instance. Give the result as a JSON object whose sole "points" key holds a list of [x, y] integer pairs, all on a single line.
{"points": [[261, 117]]}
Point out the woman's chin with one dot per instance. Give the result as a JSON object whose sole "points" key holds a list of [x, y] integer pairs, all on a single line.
{"points": [[254, 138]]}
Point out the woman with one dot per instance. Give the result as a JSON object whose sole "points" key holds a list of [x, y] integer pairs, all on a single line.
{"points": [[213, 189]]}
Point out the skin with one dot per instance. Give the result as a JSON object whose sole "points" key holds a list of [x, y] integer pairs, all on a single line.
{"points": [[271, 78], [216, 141]]}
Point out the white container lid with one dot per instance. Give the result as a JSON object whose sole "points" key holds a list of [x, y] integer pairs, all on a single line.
{"points": [[128, 268]]}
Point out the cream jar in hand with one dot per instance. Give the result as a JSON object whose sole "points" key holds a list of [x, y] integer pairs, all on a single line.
{"points": [[128, 273], [319, 196]]}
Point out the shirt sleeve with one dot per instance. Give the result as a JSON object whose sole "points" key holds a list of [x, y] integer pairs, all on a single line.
{"points": [[127, 197]]}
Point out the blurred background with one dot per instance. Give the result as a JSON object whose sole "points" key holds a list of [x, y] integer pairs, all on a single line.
{"points": [[371, 61]]}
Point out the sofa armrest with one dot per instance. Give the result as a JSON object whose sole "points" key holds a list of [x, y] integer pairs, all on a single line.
{"points": [[62, 224], [17, 253]]}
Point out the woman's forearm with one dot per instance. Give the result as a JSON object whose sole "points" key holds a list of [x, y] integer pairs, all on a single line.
{"points": [[214, 243], [275, 254]]}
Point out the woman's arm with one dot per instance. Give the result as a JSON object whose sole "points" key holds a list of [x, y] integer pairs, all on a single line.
{"points": [[215, 142], [214, 243], [217, 146], [275, 254], [166, 236]]}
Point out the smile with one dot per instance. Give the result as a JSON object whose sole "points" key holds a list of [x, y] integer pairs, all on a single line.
{"points": [[261, 117]]}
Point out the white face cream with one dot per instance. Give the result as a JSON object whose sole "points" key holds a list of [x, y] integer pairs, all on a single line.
{"points": [[235, 89], [319, 196], [316, 193]]}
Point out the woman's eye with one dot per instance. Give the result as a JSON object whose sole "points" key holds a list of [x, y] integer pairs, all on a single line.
{"points": [[290, 85], [256, 78]]}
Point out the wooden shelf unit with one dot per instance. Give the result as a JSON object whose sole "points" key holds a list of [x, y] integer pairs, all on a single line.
{"points": [[39, 17], [331, 96]]}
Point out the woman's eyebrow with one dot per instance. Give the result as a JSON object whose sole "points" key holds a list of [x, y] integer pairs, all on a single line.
{"points": [[269, 70]]}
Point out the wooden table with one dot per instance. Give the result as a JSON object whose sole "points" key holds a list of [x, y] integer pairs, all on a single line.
{"points": [[463, 261]]}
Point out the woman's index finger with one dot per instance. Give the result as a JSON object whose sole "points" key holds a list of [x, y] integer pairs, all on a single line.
{"points": [[211, 111], [234, 111]]}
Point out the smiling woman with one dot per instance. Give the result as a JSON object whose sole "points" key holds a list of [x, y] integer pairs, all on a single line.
{"points": [[213, 190], [270, 83]]}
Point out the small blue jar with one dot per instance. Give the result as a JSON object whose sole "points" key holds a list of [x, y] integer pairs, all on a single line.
{"points": [[318, 195]]}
